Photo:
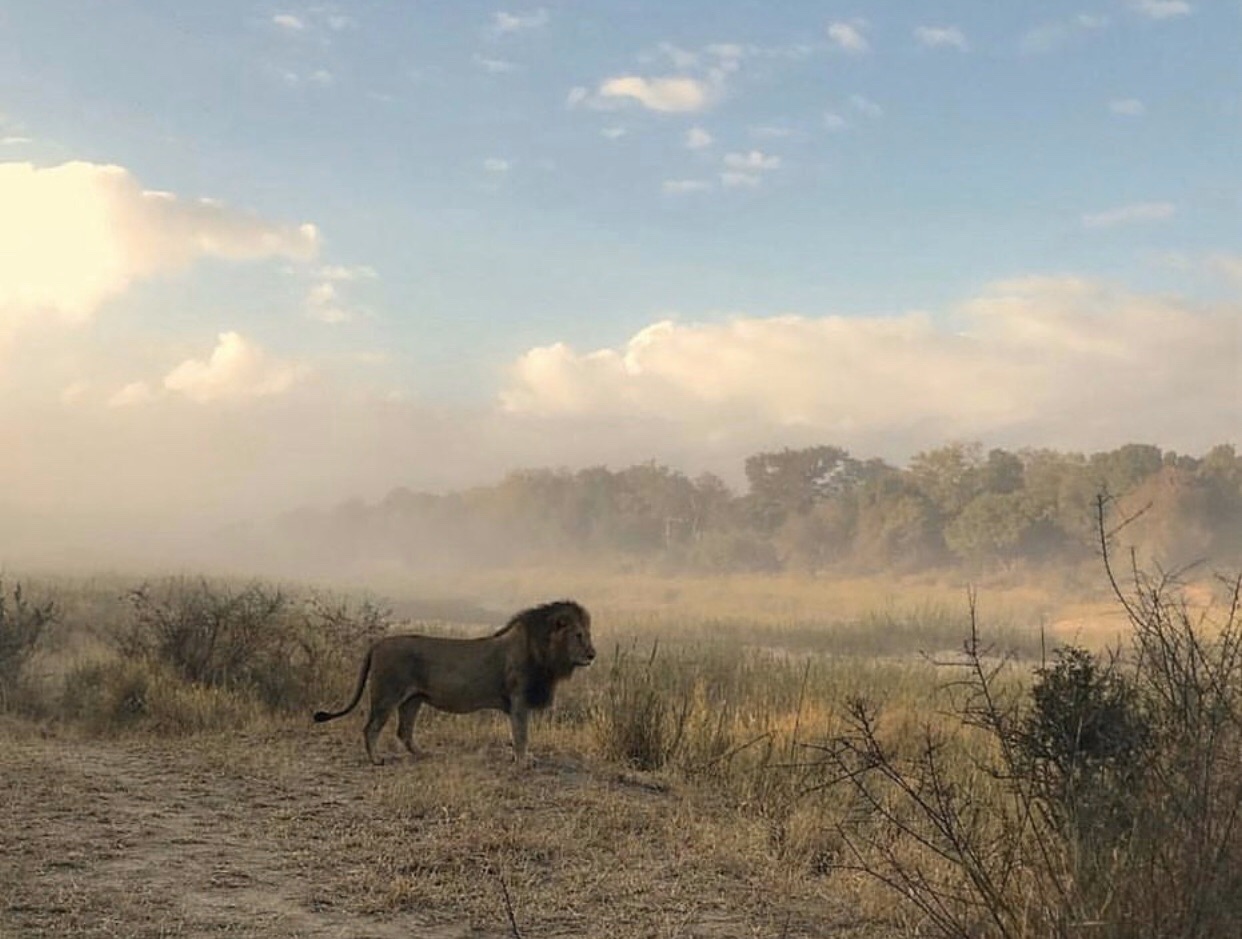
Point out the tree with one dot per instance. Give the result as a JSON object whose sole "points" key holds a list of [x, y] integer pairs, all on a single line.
{"points": [[993, 527], [792, 481], [1118, 471], [949, 476]]}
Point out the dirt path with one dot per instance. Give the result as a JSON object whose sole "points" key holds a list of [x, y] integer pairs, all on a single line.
{"points": [[131, 839], [267, 836]]}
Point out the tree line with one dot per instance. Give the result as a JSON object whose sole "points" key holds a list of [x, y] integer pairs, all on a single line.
{"points": [[809, 509]]}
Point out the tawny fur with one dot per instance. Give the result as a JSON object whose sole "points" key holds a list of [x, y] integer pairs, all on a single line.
{"points": [[515, 670]]}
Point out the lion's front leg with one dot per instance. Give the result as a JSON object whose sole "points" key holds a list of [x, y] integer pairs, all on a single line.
{"points": [[519, 720]]}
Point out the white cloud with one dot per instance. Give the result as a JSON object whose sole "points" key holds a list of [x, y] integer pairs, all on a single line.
{"points": [[771, 131], [697, 138], [74, 392], [494, 66], [1049, 37], [736, 179], [289, 21], [496, 165], [1032, 361], [509, 23], [941, 36], [849, 37], [864, 105], [1127, 107], [15, 140], [237, 369], [1130, 214], [1162, 9], [682, 186], [680, 58], [132, 395], [671, 94], [323, 303], [834, 121], [751, 161], [342, 272], [612, 133], [75, 235]]}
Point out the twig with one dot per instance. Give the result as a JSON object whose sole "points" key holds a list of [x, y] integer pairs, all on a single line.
{"points": [[504, 892]]}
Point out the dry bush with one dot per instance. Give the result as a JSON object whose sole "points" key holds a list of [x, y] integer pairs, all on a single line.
{"points": [[22, 625], [122, 695], [1104, 800], [193, 655]]}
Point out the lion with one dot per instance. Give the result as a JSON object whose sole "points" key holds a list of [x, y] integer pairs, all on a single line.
{"points": [[515, 670]]}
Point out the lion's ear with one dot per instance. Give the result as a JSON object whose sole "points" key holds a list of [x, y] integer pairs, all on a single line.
{"points": [[562, 621]]}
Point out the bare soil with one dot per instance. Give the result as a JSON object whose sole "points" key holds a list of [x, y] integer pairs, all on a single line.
{"points": [[288, 832]]}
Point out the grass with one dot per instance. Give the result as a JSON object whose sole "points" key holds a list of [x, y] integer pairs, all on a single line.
{"points": [[704, 733]]}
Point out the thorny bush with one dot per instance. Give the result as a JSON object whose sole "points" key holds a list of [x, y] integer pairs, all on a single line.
{"points": [[1104, 799]]}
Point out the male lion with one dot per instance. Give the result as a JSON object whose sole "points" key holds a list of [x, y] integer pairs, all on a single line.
{"points": [[515, 670]]}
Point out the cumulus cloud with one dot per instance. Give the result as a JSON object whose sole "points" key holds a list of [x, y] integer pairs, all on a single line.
{"points": [[1039, 360], [676, 187], [494, 66], [324, 301], [751, 161], [506, 24], [289, 21], [865, 106], [697, 138], [75, 235], [941, 36], [1130, 214], [1054, 35], [1162, 9], [237, 369], [131, 395], [1127, 107], [670, 94], [849, 37]]}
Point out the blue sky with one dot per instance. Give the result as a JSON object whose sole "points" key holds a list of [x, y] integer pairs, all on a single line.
{"points": [[320, 242]]}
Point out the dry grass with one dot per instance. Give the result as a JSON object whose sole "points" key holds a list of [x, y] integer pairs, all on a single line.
{"points": [[679, 789], [285, 832]]}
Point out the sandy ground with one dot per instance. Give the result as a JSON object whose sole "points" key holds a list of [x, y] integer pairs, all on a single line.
{"points": [[291, 834]]}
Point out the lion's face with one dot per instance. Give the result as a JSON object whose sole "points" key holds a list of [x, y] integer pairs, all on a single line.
{"points": [[572, 633]]}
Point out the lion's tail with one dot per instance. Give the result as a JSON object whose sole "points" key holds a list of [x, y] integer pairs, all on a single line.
{"points": [[321, 716]]}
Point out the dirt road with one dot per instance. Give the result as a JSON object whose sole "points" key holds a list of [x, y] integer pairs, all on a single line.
{"points": [[292, 835]]}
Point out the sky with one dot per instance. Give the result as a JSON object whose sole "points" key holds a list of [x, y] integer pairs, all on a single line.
{"points": [[260, 255]]}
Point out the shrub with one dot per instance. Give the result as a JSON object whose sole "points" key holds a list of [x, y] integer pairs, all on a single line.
{"points": [[1083, 745], [22, 624], [1106, 797], [254, 640], [112, 697]]}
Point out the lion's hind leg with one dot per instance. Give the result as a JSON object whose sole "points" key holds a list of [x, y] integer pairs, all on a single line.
{"points": [[407, 713]]}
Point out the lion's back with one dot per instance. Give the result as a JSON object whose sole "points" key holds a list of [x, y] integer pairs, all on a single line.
{"points": [[457, 675]]}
